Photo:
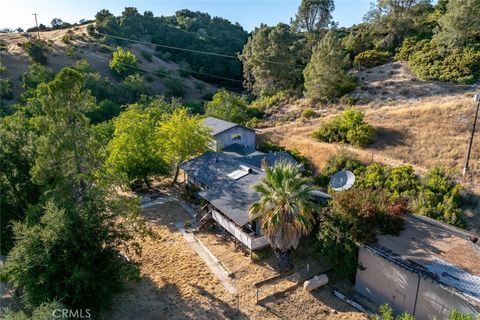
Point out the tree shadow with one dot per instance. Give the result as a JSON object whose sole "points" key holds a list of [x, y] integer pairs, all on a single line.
{"points": [[388, 137], [146, 300]]}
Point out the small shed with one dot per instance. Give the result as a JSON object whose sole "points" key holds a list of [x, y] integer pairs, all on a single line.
{"points": [[427, 270], [227, 133]]}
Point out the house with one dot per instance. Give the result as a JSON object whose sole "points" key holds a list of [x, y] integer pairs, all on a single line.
{"points": [[226, 178], [426, 270], [226, 182], [226, 134]]}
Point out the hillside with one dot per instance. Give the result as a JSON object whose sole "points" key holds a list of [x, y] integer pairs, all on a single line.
{"points": [[97, 55], [425, 132]]}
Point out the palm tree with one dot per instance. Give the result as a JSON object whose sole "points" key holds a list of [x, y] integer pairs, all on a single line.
{"points": [[286, 209]]}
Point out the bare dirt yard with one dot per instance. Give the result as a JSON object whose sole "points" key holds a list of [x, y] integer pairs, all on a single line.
{"points": [[176, 284]]}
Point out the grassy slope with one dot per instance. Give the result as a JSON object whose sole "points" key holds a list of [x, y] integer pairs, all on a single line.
{"points": [[428, 127], [16, 61]]}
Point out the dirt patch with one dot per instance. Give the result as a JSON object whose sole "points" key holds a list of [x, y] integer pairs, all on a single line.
{"points": [[394, 82], [176, 284]]}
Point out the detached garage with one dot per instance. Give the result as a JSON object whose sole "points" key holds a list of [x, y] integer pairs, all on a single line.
{"points": [[427, 270]]}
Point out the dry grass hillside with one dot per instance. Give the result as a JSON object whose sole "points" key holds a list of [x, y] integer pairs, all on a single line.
{"points": [[427, 132], [16, 61]]}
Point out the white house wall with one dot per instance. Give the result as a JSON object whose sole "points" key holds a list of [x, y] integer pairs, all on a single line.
{"points": [[247, 138], [433, 300], [383, 281], [253, 243]]}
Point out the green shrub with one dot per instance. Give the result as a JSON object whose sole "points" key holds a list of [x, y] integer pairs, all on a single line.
{"points": [[35, 75], [439, 197], [36, 50], [348, 127], [146, 55], [356, 216], [370, 58], [254, 123], [430, 61], [308, 113], [269, 146], [162, 73], [348, 100], [71, 51], [341, 161], [3, 45], [195, 106], [105, 49], [123, 63], [266, 102], [174, 88], [385, 312], [133, 87], [6, 91], [68, 37], [409, 46]]}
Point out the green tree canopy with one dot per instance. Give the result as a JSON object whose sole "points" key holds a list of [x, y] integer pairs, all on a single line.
{"points": [[182, 137], [17, 156], [460, 25], [35, 75], [81, 222], [394, 20], [123, 62], [314, 15], [228, 106], [325, 75], [286, 208], [272, 60], [133, 150]]}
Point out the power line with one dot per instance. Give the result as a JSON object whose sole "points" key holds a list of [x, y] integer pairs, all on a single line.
{"points": [[150, 72], [196, 51]]}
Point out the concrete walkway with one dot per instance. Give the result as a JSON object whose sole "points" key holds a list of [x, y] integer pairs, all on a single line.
{"points": [[210, 260]]}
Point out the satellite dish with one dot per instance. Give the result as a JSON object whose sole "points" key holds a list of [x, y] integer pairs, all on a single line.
{"points": [[342, 180]]}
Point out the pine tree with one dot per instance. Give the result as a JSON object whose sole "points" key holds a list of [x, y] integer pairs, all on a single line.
{"points": [[325, 75], [460, 25]]}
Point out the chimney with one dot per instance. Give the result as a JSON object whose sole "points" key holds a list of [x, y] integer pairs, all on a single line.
{"points": [[263, 164]]}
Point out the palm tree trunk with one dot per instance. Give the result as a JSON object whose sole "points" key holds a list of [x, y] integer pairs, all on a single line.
{"points": [[285, 262], [177, 170]]}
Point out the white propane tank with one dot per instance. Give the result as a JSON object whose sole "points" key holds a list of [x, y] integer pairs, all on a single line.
{"points": [[315, 282]]}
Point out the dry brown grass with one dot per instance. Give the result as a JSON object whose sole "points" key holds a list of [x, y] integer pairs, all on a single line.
{"points": [[17, 62], [432, 131], [176, 284]]}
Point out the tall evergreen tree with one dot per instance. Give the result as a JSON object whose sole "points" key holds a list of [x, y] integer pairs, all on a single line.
{"points": [[272, 60], [460, 25], [394, 20], [314, 15], [325, 75]]}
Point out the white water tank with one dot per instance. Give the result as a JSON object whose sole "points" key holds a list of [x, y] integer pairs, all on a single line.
{"points": [[315, 282]]}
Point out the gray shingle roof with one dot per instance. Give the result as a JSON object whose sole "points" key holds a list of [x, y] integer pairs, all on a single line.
{"points": [[219, 126], [232, 197]]}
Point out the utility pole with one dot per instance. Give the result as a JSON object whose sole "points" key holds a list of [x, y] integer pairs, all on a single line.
{"points": [[36, 22], [476, 99]]}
